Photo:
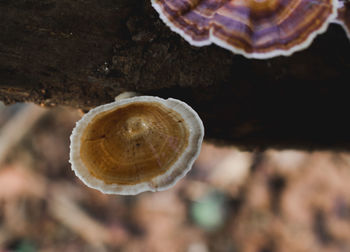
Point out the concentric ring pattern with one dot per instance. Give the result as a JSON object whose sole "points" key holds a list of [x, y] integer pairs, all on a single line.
{"points": [[254, 28], [133, 143]]}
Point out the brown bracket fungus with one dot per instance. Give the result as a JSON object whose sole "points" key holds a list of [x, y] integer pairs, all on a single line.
{"points": [[343, 17], [136, 144], [253, 28]]}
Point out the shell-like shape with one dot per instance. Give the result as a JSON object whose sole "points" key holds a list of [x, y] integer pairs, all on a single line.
{"points": [[343, 17], [136, 144], [253, 28]]}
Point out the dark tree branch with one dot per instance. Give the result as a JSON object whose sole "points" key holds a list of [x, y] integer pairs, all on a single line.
{"points": [[83, 53]]}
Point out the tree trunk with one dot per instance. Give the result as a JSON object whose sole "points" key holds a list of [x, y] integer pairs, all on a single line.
{"points": [[83, 53]]}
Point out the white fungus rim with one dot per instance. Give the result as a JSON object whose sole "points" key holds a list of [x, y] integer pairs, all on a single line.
{"points": [[159, 183], [339, 21], [215, 40]]}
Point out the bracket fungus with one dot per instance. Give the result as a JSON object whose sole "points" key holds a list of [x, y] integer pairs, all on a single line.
{"points": [[343, 17], [136, 144], [254, 28]]}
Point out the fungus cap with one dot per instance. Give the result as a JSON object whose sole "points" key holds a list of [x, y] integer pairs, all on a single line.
{"points": [[253, 28], [136, 144]]}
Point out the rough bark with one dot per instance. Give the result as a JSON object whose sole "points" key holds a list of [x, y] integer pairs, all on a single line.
{"points": [[83, 53]]}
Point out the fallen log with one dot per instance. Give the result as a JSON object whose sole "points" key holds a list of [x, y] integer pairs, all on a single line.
{"points": [[84, 53]]}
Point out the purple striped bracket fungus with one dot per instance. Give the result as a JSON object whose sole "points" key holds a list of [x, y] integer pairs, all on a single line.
{"points": [[343, 17], [136, 144], [254, 28]]}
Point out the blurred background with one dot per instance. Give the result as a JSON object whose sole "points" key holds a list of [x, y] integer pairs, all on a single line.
{"points": [[271, 201]]}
